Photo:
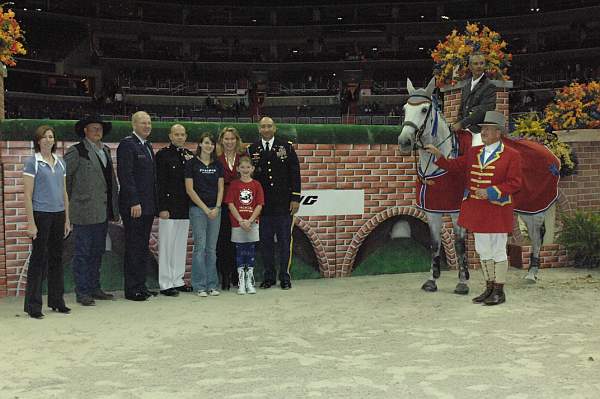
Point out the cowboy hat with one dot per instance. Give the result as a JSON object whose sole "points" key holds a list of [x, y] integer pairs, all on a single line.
{"points": [[81, 124]]}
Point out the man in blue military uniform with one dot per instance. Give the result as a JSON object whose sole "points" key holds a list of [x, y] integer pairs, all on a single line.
{"points": [[278, 171], [138, 204]]}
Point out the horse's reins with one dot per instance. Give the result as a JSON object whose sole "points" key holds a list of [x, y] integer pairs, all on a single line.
{"points": [[419, 133]]}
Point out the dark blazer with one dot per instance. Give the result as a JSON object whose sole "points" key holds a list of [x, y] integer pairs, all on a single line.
{"points": [[279, 174], [137, 175], [474, 104], [170, 170], [88, 185]]}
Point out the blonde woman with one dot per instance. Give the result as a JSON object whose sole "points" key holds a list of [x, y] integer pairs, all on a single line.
{"points": [[229, 149]]}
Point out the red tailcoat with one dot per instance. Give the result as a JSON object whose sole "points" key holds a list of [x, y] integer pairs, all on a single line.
{"points": [[501, 176]]}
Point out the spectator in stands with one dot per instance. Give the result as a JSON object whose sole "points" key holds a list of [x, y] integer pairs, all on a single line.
{"points": [[229, 149], [173, 212], [93, 193], [47, 208], [204, 185]]}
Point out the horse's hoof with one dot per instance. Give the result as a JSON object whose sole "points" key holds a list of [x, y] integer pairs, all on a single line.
{"points": [[461, 289], [429, 286]]}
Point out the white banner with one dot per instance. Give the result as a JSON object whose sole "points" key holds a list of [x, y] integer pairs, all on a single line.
{"points": [[332, 202]]}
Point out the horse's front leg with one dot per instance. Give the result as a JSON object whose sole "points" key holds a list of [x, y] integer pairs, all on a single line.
{"points": [[434, 221], [460, 246], [534, 225]]}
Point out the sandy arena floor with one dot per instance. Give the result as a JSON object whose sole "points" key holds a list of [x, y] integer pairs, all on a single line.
{"points": [[361, 337]]}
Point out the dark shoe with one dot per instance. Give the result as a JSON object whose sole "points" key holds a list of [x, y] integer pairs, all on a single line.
{"points": [[150, 293], [429, 286], [61, 309], [286, 285], [170, 292], [184, 288], [267, 284], [461, 289], [497, 296], [138, 296], [489, 287], [86, 300], [103, 296], [36, 315]]}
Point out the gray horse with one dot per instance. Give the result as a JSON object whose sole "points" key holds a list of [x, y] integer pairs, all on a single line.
{"points": [[439, 192]]}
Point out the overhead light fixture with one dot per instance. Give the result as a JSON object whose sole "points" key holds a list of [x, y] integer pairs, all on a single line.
{"points": [[295, 51], [421, 48], [445, 17], [422, 16], [375, 49]]}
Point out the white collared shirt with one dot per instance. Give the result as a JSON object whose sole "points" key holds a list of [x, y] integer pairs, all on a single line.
{"points": [[143, 141], [489, 150], [264, 143], [475, 81]]}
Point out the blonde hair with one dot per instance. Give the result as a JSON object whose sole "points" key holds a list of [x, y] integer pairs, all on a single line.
{"points": [[238, 140]]}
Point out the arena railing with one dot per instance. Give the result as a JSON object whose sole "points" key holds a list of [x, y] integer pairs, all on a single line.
{"points": [[308, 120]]}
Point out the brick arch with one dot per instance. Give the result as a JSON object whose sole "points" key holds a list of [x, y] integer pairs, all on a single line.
{"points": [[313, 237], [447, 239]]}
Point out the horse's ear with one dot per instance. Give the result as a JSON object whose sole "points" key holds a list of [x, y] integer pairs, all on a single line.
{"points": [[409, 86], [430, 87]]}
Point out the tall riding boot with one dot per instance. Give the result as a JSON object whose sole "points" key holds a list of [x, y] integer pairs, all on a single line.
{"points": [[250, 281], [241, 279], [497, 296]]}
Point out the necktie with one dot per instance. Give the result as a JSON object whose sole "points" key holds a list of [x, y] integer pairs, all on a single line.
{"points": [[267, 146]]}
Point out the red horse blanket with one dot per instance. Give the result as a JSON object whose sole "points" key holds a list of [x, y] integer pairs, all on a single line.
{"points": [[443, 193]]}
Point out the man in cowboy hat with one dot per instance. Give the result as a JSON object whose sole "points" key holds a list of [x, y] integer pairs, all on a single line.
{"points": [[493, 174], [93, 201]]}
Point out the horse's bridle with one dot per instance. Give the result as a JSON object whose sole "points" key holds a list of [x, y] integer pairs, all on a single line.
{"points": [[419, 130]]}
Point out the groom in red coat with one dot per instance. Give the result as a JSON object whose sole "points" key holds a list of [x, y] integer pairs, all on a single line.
{"points": [[493, 174]]}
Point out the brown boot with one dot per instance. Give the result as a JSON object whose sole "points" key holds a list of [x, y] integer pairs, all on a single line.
{"points": [[497, 296], [489, 287]]}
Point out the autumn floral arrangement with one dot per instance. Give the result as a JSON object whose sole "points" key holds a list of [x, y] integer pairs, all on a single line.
{"points": [[576, 106], [451, 57], [11, 38], [531, 127]]}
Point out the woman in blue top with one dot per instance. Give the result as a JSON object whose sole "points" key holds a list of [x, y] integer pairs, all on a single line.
{"points": [[204, 186], [47, 207]]}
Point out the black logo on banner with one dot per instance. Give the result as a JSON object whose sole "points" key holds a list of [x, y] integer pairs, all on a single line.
{"points": [[309, 199]]}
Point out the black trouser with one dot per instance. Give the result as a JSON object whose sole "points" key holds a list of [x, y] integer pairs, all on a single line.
{"points": [[280, 226], [137, 253], [226, 252], [46, 262]]}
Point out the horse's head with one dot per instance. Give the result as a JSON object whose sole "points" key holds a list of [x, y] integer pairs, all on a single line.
{"points": [[416, 111]]}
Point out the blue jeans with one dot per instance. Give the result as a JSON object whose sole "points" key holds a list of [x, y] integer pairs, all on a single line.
{"points": [[90, 243], [204, 260]]}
